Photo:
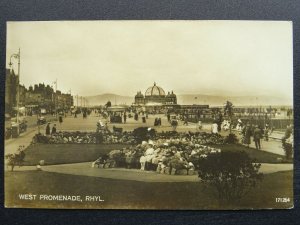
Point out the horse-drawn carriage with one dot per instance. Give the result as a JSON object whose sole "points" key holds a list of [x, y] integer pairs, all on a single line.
{"points": [[16, 128], [41, 120], [116, 113]]}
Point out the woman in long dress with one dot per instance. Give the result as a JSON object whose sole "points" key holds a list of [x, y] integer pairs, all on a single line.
{"points": [[214, 128], [247, 132]]}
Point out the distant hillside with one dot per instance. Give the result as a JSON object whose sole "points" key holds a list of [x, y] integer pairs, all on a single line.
{"points": [[115, 99], [236, 100], [196, 99]]}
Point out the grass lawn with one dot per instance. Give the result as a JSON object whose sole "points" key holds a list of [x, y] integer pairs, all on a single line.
{"points": [[125, 194], [67, 153], [259, 155], [74, 153]]}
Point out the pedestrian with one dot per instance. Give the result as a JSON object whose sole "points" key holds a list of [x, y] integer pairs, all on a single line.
{"points": [[98, 128], [214, 127], [60, 119], [199, 126], [186, 120], [219, 121], [48, 129], [174, 124], [266, 132], [136, 116], [53, 129], [256, 137], [239, 126], [124, 117], [159, 121], [247, 133], [156, 122]]}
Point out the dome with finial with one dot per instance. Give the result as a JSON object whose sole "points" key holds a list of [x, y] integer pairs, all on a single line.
{"points": [[139, 94], [155, 91]]}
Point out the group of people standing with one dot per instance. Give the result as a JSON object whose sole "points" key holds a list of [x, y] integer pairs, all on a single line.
{"points": [[257, 132], [144, 116], [50, 131], [247, 132]]}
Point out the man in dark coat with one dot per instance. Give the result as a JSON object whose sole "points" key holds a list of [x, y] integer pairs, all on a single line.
{"points": [[48, 129], [60, 119], [156, 122], [144, 118], [256, 136], [124, 117], [53, 129], [247, 132]]}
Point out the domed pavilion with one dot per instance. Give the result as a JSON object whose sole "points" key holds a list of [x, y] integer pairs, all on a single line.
{"points": [[155, 95]]}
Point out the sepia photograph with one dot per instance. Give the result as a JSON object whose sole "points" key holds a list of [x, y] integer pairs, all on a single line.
{"points": [[149, 114]]}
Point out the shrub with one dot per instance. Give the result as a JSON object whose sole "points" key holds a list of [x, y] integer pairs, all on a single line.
{"points": [[231, 139], [288, 149], [143, 134], [15, 159], [231, 175]]}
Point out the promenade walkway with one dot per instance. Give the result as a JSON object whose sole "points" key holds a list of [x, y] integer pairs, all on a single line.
{"points": [[85, 169], [89, 124]]}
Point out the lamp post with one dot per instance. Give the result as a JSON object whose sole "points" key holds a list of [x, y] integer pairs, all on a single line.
{"points": [[70, 98], [77, 100], [17, 56], [55, 98]]}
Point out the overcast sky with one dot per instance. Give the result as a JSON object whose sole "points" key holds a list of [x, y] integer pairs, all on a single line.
{"points": [[188, 57]]}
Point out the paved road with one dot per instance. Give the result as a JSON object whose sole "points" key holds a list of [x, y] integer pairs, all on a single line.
{"points": [[89, 124], [85, 169], [31, 120], [12, 144]]}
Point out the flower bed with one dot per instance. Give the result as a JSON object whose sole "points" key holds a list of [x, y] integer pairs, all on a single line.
{"points": [[84, 138], [166, 152], [202, 138], [172, 156]]}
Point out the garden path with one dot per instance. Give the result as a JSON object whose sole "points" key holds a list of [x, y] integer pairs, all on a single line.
{"points": [[85, 169]]}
